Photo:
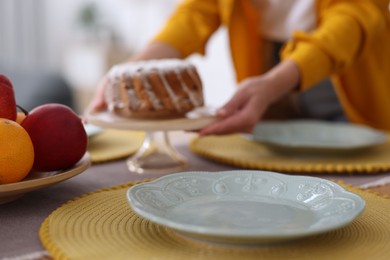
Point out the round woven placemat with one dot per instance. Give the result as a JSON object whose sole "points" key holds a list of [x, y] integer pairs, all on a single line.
{"points": [[240, 152], [114, 144], [101, 225]]}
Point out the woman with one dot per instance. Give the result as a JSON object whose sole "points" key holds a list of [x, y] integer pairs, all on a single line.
{"points": [[346, 41]]}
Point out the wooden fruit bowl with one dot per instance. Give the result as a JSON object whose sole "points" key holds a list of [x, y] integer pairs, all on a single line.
{"points": [[38, 180]]}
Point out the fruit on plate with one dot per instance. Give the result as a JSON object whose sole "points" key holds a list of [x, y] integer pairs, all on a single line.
{"points": [[16, 152], [20, 116], [7, 99], [58, 136]]}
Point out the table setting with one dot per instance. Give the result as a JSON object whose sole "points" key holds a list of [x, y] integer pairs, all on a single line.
{"points": [[236, 197], [112, 231]]}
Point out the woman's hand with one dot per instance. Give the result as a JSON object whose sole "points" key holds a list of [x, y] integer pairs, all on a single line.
{"points": [[242, 112], [98, 102], [252, 99]]}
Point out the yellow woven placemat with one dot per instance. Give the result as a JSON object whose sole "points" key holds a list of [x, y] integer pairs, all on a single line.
{"points": [[101, 225], [114, 144], [240, 152]]}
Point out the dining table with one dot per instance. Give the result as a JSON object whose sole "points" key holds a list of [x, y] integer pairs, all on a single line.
{"points": [[21, 219]]}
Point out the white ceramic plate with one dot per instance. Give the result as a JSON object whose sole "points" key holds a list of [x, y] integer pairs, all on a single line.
{"points": [[245, 207], [39, 180], [316, 136], [195, 119], [92, 130]]}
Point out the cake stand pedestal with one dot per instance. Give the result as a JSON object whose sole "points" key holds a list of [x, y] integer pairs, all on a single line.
{"points": [[156, 154]]}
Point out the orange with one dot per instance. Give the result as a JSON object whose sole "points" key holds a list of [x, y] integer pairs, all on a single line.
{"points": [[19, 117], [16, 152]]}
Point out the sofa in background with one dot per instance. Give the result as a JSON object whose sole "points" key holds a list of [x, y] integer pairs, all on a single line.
{"points": [[34, 88]]}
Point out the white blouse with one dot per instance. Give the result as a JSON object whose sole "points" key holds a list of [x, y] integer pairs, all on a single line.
{"points": [[281, 18]]}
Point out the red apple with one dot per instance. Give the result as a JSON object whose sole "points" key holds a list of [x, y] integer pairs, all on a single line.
{"points": [[7, 99], [58, 137]]}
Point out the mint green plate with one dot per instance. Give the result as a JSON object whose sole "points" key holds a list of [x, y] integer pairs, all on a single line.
{"points": [[245, 207]]}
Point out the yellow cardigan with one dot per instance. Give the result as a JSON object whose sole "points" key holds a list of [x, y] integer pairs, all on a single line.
{"points": [[351, 44]]}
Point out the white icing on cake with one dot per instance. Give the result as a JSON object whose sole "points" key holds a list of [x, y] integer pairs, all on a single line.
{"points": [[149, 90], [123, 73], [171, 93]]}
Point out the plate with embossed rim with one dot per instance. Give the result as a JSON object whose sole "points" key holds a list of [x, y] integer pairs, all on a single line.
{"points": [[92, 130], [245, 207], [315, 136]]}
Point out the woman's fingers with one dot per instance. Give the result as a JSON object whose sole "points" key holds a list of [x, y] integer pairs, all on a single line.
{"points": [[98, 102], [242, 120], [234, 104], [241, 112], [228, 125]]}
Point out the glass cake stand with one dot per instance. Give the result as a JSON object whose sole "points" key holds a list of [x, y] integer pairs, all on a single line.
{"points": [[156, 154]]}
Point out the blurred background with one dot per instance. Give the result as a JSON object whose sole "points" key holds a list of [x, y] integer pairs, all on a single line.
{"points": [[56, 51]]}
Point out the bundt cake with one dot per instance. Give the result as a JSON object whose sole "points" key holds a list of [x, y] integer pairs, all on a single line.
{"points": [[154, 89]]}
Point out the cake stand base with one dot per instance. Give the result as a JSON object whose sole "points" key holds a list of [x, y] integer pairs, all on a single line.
{"points": [[156, 155]]}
